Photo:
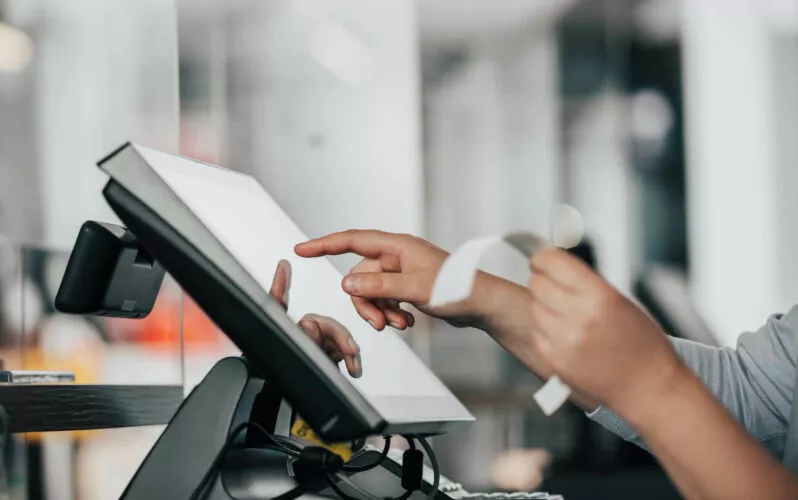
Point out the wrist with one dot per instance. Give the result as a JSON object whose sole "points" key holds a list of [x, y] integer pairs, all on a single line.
{"points": [[660, 396], [494, 303]]}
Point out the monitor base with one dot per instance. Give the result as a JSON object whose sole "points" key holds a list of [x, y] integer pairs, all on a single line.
{"points": [[230, 394]]}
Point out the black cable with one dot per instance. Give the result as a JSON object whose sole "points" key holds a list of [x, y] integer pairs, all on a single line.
{"points": [[436, 470], [356, 445], [281, 444], [411, 440], [290, 443], [210, 474], [373, 464], [203, 488]]}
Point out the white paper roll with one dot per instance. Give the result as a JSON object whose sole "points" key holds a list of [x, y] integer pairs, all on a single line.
{"points": [[455, 282]]}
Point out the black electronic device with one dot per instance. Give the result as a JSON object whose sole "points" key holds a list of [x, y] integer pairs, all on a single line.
{"points": [[165, 200], [109, 274], [215, 232], [230, 395]]}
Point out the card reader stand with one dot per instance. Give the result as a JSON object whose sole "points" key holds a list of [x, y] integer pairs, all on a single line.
{"points": [[229, 395]]}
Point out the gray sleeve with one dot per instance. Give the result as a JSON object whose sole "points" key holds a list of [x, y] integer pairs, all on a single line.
{"points": [[755, 381]]}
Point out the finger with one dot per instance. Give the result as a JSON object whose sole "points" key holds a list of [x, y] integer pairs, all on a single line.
{"points": [[564, 268], [545, 321], [340, 345], [386, 263], [550, 294], [395, 316], [411, 287], [332, 351], [370, 312], [411, 320], [368, 309], [334, 332], [281, 283], [311, 328], [366, 243], [353, 363]]}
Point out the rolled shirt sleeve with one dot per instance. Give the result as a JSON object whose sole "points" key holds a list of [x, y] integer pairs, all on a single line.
{"points": [[755, 381]]}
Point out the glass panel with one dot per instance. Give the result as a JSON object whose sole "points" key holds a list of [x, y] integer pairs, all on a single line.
{"points": [[93, 76], [77, 79]]}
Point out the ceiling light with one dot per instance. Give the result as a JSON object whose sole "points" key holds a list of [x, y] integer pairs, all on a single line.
{"points": [[342, 53], [16, 49], [652, 115], [569, 226]]}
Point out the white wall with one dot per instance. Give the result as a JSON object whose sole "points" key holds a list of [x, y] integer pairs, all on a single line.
{"points": [[737, 231]]}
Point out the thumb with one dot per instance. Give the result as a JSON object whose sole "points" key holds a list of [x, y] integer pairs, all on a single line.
{"points": [[411, 287]]}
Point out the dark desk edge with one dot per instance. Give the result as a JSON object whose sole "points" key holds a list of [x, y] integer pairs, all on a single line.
{"points": [[46, 408]]}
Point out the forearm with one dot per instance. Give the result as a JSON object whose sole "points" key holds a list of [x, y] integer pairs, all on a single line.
{"points": [[706, 452], [502, 311], [697, 441]]}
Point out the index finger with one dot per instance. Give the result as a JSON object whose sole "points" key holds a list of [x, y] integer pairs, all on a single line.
{"points": [[281, 283], [327, 331], [366, 243], [564, 268]]}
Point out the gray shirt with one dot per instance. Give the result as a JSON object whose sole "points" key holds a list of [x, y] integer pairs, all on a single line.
{"points": [[755, 382]]}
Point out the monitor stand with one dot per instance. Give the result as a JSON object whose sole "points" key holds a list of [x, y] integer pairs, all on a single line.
{"points": [[231, 394]]}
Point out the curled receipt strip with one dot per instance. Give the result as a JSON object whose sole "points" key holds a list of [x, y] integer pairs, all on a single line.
{"points": [[455, 282]]}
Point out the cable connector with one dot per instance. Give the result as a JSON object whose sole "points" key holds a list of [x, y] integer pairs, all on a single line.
{"points": [[314, 463], [412, 470]]}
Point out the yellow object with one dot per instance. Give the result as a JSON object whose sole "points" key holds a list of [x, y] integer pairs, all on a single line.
{"points": [[302, 430]]}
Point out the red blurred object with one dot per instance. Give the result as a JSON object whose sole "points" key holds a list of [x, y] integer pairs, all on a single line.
{"points": [[161, 328]]}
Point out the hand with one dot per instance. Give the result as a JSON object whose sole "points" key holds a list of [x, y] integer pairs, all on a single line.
{"points": [[395, 268], [594, 338], [328, 334]]}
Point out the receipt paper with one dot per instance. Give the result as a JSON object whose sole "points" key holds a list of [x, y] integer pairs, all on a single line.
{"points": [[455, 282]]}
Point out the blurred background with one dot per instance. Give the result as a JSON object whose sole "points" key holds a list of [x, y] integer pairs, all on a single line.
{"points": [[653, 138]]}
